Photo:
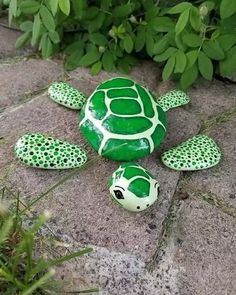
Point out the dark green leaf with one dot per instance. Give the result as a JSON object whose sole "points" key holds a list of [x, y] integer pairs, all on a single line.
{"points": [[180, 61], [195, 19], [161, 45], [96, 23], [166, 54], [29, 6], [54, 6], [179, 43], [140, 39], [209, 4], [74, 47], [192, 40], [226, 41], [205, 66], [227, 8], [36, 29], [128, 44], [162, 24], [122, 10], [168, 69], [26, 26], [21, 41], [213, 50], [64, 6], [108, 61], [182, 21], [228, 65], [47, 48], [73, 60], [191, 58], [105, 4], [179, 8], [47, 18], [98, 39], [90, 58], [189, 77], [12, 10], [96, 68], [149, 44], [54, 36]]}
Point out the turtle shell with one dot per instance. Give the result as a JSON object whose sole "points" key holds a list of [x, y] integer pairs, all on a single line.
{"points": [[122, 121]]}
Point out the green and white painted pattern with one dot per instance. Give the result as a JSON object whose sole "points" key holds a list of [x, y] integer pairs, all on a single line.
{"points": [[39, 151], [133, 187], [173, 99], [66, 95], [199, 152], [122, 121]]}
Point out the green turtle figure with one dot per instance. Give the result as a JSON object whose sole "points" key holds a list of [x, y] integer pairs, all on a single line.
{"points": [[133, 187], [122, 121]]}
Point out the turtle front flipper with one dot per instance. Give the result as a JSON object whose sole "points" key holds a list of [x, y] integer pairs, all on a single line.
{"points": [[66, 95], [173, 99], [197, 153]]}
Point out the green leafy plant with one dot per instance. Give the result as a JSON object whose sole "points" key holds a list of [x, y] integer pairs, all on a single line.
{"points": [[21, 270], [188, 39]]}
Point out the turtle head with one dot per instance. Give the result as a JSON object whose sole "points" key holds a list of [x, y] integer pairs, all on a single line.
{"points": [[133, 187], [173, 99]]}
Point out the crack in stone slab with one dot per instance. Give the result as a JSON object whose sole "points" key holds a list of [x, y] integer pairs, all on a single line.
{"points": [[210, 198], [221, 118]]}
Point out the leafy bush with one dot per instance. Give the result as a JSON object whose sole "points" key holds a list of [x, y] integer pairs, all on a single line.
{"points": [[188, 39], [21, 270]]}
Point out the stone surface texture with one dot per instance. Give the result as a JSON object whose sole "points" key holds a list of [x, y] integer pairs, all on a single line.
{"points": [[187, 236], [18, 80]]}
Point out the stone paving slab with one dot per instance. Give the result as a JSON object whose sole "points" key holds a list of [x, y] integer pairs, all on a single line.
{"points": [[201, 254], [82, 207], [80, 201], [113, 272], [19, 80], [208, 98], [221, 179]]}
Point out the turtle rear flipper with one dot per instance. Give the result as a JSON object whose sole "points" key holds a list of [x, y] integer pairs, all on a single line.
{"points": [[173, 99], [199, 152]]}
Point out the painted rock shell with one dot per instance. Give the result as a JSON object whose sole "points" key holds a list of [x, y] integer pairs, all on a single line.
{"points": [[122, 121], [133, 187], [39, 151], [199, 152], [66, 95]]}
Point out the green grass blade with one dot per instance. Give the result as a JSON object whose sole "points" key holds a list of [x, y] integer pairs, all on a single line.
{"points": [[69, 256], [38, 283], [5, 229]]}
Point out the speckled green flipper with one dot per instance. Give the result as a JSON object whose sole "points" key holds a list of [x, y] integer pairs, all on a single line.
{"points": [[40, 151], [199, 152], [173, 99], [66, 95]]}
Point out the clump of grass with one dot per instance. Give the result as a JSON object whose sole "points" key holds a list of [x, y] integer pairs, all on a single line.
{"points": [[21, 272]]}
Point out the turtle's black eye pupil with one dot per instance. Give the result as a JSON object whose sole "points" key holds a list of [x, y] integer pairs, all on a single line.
{"points": [[118, 194], [158, 190]]}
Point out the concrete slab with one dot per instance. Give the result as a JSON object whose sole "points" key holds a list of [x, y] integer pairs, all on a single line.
{"points": [[19, 80], [113, 272], [220, 180], [8, 39], [201, 254], [208, 98]]}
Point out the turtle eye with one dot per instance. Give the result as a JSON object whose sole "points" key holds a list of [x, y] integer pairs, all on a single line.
{"points": [[118, 194], [158, 190]]}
